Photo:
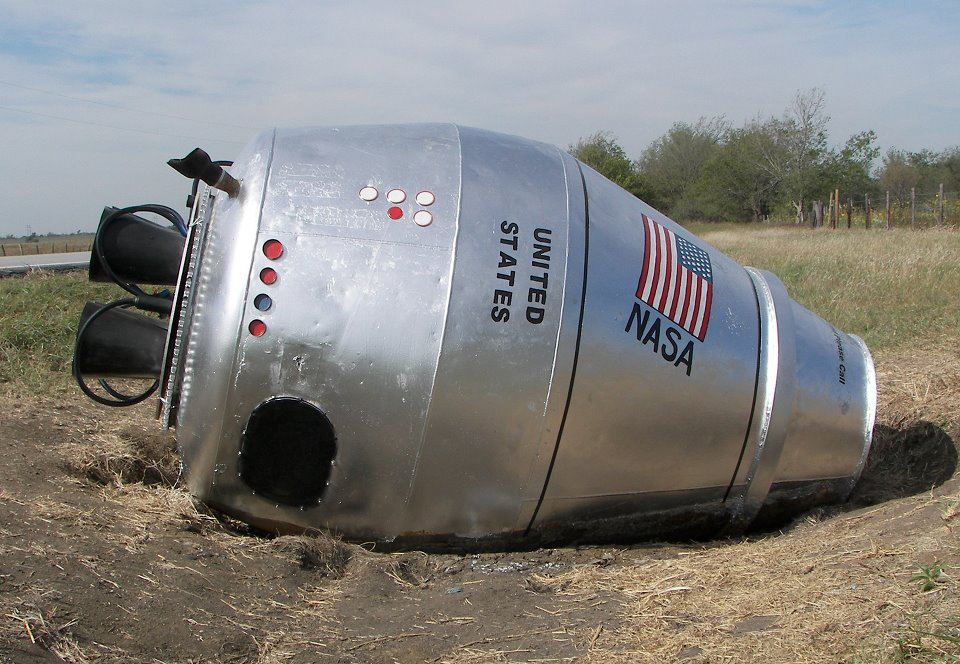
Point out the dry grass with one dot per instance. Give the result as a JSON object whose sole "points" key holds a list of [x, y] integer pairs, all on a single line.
{"points": [[834, 587], [921, 383], [318, 551], [918, 421], [48, 632], [894, 288], [82, 242], [822, 592], [130, 455]]}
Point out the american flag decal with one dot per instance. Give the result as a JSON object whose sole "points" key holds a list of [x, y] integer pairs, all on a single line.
{"points": [[677, 279]]}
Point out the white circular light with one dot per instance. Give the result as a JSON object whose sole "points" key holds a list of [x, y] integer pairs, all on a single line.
{"points": [[426, 198], [396, 196], [369, 194], [422, 218]]}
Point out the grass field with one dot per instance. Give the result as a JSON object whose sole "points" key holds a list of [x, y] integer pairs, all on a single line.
{"points": [[894, 288], [104, 557], [38, 321], [62, 244]]}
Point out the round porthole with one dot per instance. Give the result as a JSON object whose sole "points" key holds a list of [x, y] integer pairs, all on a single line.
{"points": [[287, 450]]}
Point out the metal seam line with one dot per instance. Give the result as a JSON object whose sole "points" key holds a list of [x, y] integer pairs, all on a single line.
{"points": [[576, 350]]}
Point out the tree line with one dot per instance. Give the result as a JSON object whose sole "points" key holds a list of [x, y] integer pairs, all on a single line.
{"points": [[768, 167]]}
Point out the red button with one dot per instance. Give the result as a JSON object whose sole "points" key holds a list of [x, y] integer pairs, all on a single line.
{"points": [[395, 212], [257, 328], [268, 275], [272, 249]]}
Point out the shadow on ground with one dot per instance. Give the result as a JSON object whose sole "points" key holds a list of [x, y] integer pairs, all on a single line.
{"points": [[904, 462]]}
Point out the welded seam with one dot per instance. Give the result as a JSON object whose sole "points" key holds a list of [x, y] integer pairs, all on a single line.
{"points": [[756, 387], [531, 474], [870, 416], [576, 349], [778, 394], [236, 363], [563, 299], [446, 322]]}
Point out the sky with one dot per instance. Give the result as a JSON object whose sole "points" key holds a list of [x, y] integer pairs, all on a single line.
{"points": [[96, 96]]}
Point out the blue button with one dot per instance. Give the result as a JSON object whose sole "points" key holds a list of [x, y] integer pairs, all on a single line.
{"points": [[262, 302]]}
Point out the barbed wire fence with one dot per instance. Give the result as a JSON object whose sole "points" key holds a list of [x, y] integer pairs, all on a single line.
{"points": [[907, 208]]}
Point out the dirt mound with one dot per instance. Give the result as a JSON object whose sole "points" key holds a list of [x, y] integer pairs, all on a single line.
{"points": [[131, 455], [104, 557]]}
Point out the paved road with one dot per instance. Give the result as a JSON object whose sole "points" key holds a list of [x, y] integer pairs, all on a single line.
{"points": [[18, 264]]}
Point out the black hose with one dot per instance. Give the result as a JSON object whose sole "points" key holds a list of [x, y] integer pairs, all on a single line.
{"points": [[119, 399], [167, 213]]}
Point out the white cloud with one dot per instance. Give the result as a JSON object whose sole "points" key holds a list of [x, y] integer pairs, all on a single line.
{"points": [[548, 70]]}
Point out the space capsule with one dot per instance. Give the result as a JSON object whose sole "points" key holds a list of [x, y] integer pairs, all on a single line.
{"points": [[433, 335]]}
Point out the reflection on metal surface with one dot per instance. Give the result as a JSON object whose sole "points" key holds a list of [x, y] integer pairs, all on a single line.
{"points": [[552, 361]]}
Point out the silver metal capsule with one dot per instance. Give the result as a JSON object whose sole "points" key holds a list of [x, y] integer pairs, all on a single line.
{"points": [[474, 339]]}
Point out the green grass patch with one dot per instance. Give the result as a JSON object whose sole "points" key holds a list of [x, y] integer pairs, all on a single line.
{"points": [[38, 322]]}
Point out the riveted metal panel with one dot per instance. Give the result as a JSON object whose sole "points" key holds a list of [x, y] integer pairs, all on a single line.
{"points": [[220, 287], [356, 321]]}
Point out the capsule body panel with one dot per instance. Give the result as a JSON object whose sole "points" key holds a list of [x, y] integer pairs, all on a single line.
{"points": [[495, 376], [657, 415], [355, 322]]}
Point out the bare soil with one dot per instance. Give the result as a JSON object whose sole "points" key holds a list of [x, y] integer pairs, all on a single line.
{"points": [[104, 558]]}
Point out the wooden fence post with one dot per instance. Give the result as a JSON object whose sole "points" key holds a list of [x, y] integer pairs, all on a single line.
{"points": [[888, 210], [940, 213], [836, 200], [913, 206], [850, 213], [866, 209]]}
